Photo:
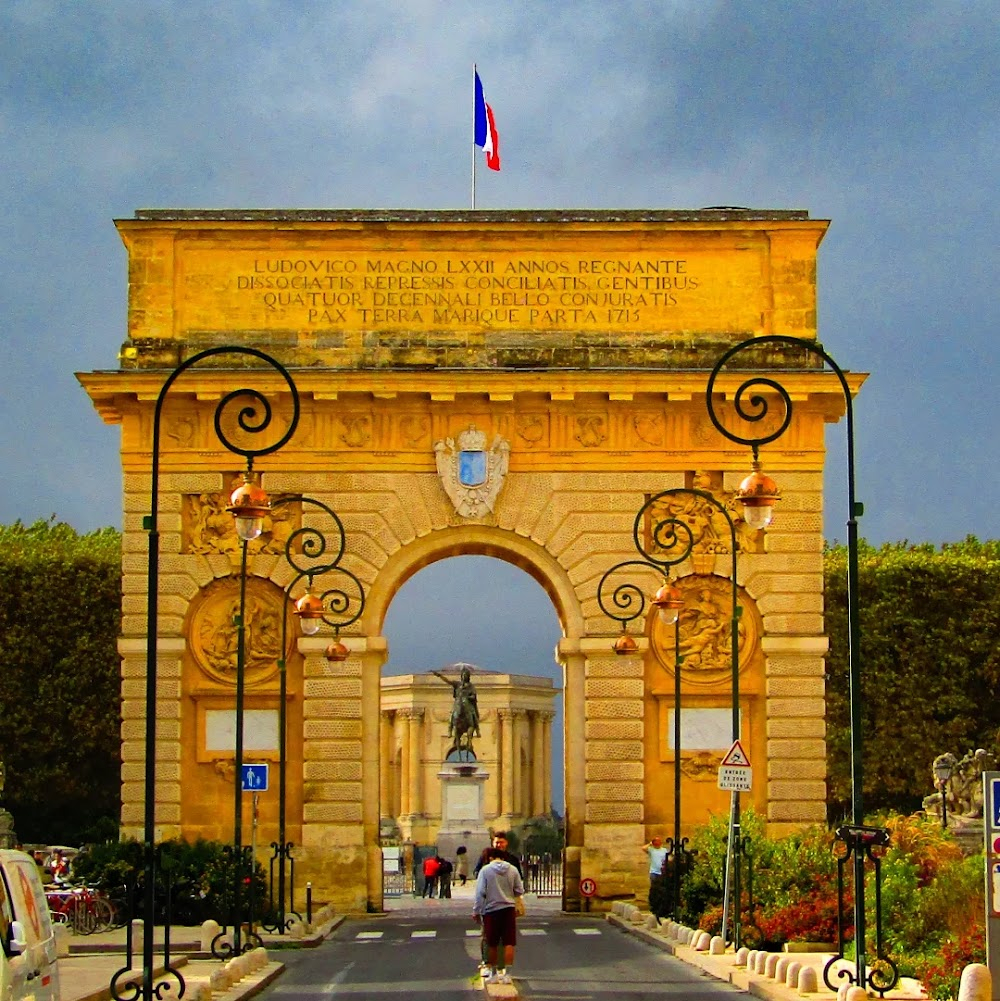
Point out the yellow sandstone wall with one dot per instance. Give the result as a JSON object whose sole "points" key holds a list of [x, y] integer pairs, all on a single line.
{"points": [[584, 341]]}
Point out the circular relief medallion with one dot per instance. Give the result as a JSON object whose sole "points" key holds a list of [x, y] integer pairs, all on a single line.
{"points": [[213, 634], [706, 630]]}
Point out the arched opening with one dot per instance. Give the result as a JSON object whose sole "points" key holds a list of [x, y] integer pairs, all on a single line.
{"points": [[485, 611]]}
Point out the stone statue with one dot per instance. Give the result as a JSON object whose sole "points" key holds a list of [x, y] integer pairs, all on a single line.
{"points": [[964, 790], [464, 722]]}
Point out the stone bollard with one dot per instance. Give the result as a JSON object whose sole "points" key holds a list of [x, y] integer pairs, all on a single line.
{"points": [[857, 994], [235, 969], [771, 964], [200, 991], [750, 958], [760, 962], [61, 931], [701, 940], [209, 929], [792, 973], [717, 946], [842, 990], [219, 981], [808, 981], [976, 984], [781, 969], [651, 921]]}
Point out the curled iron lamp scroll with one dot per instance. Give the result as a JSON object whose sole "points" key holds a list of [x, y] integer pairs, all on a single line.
{"points": [[320, 556], [751, 406], [253, 416], [671, 541]]}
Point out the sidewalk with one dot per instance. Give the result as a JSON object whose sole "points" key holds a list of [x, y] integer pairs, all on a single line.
{"points": [[86, 973]]}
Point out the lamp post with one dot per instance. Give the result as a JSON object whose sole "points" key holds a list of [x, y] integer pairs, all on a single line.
{"points": [[670, 541], [309, 553], [944, 765], [758, 493], [248, 505]]}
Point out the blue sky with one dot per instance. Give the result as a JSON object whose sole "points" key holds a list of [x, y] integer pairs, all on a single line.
{"points": [[879, 116]]}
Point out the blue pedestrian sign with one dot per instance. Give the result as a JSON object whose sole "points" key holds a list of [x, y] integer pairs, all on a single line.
{"points": [[255, 778], [995, 801]]}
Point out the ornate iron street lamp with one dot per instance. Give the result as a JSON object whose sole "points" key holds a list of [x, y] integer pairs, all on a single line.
{"points": [[309, 553], [758, 492], [670, 541], [248, 505]]}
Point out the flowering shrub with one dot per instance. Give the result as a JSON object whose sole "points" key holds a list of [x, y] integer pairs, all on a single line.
{"points": [[810, 920], [932, 896], [940, 978]]}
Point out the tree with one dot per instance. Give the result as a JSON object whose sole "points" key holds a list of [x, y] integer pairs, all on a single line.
{"points": [[60, 721]]}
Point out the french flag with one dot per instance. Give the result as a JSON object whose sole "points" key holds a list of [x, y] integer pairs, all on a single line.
{"points": [[486, 130]]}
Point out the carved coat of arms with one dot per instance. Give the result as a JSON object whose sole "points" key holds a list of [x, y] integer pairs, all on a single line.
{"points": [[471, 475]]}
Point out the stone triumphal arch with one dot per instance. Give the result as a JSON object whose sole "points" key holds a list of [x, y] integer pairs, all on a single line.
{"points": [[515, 384]]}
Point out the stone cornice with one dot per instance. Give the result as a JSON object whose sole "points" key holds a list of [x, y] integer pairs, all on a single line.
{"points": [[603, 217], [113, 391]]}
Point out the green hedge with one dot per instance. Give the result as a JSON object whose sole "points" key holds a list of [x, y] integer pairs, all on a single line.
{"points": [[60, 612], [930, 620]]}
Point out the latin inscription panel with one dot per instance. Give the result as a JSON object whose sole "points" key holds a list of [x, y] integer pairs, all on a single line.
{"points": [[684, 289]]}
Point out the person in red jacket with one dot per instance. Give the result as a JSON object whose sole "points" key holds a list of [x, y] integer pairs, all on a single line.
{"points": [[431, 866]]}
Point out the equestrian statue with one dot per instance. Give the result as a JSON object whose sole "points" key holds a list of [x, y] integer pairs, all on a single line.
{"points": [[464, 722]]}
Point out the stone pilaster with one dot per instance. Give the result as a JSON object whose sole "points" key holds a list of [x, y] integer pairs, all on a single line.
{"points": [[386, 720], [796, 731]]}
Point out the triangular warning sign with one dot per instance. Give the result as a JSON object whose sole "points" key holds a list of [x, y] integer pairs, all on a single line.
{"points": [[736, 756]]}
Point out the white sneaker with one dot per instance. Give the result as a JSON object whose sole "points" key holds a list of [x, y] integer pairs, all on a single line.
{"points": [[503, 978], [492, 978]]}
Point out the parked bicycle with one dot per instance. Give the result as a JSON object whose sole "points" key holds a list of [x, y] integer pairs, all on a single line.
{"points": [[83, 908]]}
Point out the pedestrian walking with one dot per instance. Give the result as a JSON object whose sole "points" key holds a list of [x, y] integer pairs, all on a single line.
{"points": [[462, 864], [498, 890], [445, 869], [500, 842], [430, 868]]}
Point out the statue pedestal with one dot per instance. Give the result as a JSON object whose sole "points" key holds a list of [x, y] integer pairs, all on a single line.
{"points": [[462, 809]]}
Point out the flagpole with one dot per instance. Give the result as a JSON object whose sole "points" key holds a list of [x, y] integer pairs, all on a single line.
{"points": [[473, 137]]}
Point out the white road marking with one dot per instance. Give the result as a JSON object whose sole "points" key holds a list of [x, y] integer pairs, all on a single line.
{"points": [[586, 931], [369, 934], [423, 934]]}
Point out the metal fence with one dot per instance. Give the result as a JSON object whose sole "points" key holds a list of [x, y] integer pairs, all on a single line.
{"points": [[542, 874]]}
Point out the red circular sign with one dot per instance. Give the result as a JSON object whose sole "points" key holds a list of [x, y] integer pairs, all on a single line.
{"points": [[588, 887], [996, 846]]}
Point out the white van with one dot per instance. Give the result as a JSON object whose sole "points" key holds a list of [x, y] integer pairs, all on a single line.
{"points": [[28, 969]]}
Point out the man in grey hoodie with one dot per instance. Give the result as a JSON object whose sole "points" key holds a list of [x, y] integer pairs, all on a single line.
{"points": [[497, 888]]}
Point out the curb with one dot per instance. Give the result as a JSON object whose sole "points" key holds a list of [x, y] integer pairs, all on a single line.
{"points": [[722, 967]]}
